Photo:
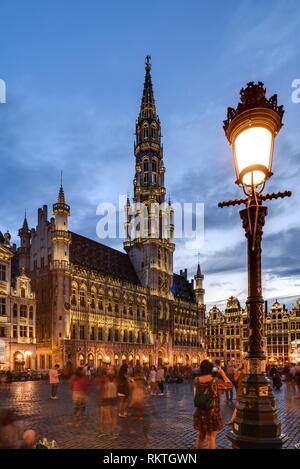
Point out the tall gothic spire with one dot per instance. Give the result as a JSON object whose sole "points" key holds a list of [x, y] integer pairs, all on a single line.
{"points": [[149, 177], [148, 109], [61, 196]]}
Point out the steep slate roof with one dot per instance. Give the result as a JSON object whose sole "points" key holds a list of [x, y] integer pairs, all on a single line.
{"points": [[88, 253], [182, 288]]}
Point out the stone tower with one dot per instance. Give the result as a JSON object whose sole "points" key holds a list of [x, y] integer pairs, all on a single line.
{"points": [[24, 251], [149, 222]]}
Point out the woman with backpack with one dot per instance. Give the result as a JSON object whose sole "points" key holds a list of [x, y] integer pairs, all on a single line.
{"points": [[207, 416]]}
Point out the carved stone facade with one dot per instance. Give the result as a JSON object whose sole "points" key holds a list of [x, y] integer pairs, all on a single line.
{"points": [[227, 334], [17, 313]]}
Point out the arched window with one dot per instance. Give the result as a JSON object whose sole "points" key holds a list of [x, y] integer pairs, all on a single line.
{"points": [[82, 298], [93, 304], [153, 132], [73, 298], [145, 132], [154, 166], [145, 166], [22, 292]]}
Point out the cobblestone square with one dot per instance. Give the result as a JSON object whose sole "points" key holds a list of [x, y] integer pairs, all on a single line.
{"points": [[169, 421]]}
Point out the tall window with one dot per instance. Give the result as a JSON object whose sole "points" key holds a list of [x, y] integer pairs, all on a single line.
{"points": [[100, 303], [15, 310], [2, 306], [92, 335], [153, 132], [31, 332], [31, 312], [81, 332], [100, 333], [73, 299], [130, 336], [15, 331], [93, 304], [73, 331], [82, 298], [145, 131], [3, 272], [23, 331], [23, 311], [2, 331]]}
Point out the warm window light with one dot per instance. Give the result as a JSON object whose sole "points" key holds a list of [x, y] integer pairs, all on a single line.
{"points": [[253, 155], [107, 359]]}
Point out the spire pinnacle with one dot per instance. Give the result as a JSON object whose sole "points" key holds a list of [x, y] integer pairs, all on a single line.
{"points": [[198, 267], [61, 196], [25, 223], [148, 109]]}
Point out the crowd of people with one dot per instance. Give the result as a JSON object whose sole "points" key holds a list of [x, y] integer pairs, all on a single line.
{"points": [[126, 391]]}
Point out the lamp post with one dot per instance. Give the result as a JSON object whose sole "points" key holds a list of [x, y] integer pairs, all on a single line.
{"points": [[251, 129]]}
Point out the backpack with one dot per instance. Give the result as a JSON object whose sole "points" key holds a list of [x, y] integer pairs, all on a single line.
{"points": [[204, 396]]}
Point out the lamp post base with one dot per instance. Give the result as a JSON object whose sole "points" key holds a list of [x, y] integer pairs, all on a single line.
{"points": [[256, 425]]}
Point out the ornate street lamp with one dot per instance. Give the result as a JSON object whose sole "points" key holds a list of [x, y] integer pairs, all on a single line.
{"points": [[251, 129]]}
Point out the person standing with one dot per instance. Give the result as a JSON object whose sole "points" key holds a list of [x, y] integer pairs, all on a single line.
{"points": [[152, 380], [54, 380], [160, 378], [207, 416]]}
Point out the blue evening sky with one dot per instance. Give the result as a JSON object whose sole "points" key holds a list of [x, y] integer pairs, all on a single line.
{"points": [[74, 73]]}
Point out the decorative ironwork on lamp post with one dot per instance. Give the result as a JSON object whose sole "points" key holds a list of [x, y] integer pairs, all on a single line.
{"points": [[251, 129]]}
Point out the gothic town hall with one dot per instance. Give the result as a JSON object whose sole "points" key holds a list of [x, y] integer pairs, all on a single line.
{"points": [[99, 305]]}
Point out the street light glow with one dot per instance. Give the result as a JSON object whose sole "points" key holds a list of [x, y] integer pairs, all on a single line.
{"points": [[253, 149]]}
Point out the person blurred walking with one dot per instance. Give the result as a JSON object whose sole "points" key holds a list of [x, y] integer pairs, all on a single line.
{"points": [[123, 389], [108, 402], [79, 388], [238, 379]]}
